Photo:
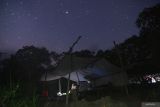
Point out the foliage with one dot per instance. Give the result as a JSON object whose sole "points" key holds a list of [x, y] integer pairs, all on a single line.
{"points": [[26, 63], [139, 54], [25, 66], [84, 53], [12, 98], [103, 102], [148, 20], [149, 24]]}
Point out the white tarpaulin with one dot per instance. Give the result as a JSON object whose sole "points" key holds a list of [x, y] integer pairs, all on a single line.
{"points": [[99, 70]]}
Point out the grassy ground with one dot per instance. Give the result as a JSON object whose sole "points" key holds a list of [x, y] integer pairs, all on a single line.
{"points": [[103, 102], [101, 97], [114, 97], [12, 97]]}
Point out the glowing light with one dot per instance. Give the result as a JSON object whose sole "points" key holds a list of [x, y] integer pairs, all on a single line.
{"points": [[89, 82], [153, 80], [62, 94]]}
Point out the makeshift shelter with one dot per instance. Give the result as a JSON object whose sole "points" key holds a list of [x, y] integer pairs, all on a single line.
{"points": [[104, 73], [95, 71], [57, 87]]}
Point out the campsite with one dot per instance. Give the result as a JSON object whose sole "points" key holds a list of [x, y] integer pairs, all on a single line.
{"points": [[83, 53]]}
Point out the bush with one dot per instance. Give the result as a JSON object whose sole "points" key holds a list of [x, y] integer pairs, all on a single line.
{"points": [[13, 98]]}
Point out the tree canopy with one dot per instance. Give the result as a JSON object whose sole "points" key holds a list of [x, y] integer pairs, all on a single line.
{"points": [[149, 20], [149, 24]]}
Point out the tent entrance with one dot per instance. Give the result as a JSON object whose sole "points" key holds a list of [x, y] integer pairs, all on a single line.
{"points": [[60, 93]]}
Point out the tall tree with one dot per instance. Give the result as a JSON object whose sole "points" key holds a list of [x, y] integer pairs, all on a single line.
{"points": [[26, 66], [149, 24], [29, 61]]}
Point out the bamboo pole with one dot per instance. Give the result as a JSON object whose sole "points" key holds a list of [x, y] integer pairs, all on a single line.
{"points": [[77, 77], [67, 96], [71, 65]]}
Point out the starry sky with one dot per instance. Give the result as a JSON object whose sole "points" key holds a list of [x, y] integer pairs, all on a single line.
{"points": [[55, 24]]}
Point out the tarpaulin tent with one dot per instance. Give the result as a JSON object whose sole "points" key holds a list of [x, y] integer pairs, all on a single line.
{"points": [[95, 70]]}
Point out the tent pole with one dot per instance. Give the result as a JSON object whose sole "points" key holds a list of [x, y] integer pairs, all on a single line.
{"points": [[77, 77], [67, 96], [68, 85], [71, 65], [59, 85]]}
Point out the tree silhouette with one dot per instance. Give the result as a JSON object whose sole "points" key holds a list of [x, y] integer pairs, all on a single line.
{"points": [[148, 20], [29, 60], [84, 53], [149, 24], [25, 66]]}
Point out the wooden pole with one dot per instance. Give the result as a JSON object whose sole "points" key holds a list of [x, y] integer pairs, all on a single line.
{"points": [[67, 96], [71, 65], [77, 77]]}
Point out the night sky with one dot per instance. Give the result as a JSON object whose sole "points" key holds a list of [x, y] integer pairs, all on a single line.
{"points": [[55, 24]]}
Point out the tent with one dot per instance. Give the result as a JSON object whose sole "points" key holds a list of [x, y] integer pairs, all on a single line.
{"points": [[54, 88], [102, 73], [83, 70]]}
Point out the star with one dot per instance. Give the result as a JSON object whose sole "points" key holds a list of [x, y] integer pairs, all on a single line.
{"points": [[66, 12]]}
